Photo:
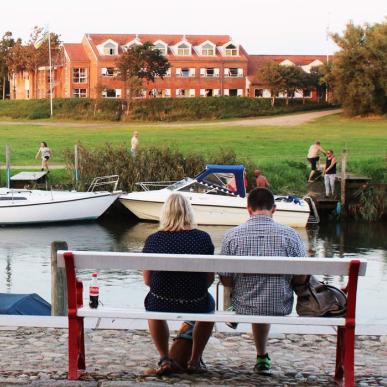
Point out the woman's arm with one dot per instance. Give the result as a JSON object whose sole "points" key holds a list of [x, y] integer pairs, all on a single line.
{"points": [[147, 277], [37, 155]]}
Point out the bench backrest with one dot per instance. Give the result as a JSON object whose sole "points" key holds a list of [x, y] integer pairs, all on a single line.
{"points": [[98, 260]]}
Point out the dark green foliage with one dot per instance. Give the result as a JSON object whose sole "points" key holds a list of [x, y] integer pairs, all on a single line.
{"points": [[155, 109]]}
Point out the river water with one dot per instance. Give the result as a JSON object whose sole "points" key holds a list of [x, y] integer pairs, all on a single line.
{"points": [[25, 258]]}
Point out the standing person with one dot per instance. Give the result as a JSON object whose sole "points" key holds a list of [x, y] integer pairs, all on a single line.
{"points": [[260, 180], [180, 292], [330, 173], [134, 144], [45, 153], [261, 294], [313, 157]]}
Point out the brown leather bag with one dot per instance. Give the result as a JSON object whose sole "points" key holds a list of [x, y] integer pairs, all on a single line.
{"points": [[318, 299]]}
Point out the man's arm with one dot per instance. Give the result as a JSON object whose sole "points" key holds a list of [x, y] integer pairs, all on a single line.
{"points": [[226, 278]]}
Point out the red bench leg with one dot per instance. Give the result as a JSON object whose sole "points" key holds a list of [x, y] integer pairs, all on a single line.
{"points": [[76, 347], [349, 357]]}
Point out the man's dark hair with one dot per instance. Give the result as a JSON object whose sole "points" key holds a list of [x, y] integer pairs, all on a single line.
{"points": [[260, 199]]}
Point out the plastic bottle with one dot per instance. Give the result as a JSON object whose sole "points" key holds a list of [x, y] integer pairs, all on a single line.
{"points": [[94, 291]]}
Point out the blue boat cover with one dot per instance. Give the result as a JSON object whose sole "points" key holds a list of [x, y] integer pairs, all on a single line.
{"points": [[28, 304], [237, 170]]}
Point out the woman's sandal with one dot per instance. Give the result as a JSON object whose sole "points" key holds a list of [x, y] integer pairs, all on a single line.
{"points": [[196, 368], [165, 368]]}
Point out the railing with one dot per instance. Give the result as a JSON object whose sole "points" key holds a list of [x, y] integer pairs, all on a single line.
{"points": [[146, 185], [103, 181]]}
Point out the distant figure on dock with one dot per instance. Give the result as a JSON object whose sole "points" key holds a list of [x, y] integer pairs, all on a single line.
{"points": [[330, 173], [135, 144], [260, 180], [313, 157], [178, 292], [45, 153]]}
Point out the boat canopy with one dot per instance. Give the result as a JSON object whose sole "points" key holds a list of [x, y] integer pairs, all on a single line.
{"points": [[236, 170]]}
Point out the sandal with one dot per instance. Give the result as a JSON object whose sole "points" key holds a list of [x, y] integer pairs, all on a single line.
{"points": [[165, 367], [198, 368]]}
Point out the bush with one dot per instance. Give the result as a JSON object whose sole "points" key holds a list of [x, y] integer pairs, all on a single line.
{"points": [[157, 109]]}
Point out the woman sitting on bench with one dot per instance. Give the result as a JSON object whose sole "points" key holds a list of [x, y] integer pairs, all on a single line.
{"points": [[180, 292]]}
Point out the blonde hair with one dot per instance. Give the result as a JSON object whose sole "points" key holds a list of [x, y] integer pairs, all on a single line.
{"points": [[176, 214]]}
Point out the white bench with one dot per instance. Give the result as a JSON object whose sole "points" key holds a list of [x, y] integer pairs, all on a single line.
{"points": [[75, 260]]}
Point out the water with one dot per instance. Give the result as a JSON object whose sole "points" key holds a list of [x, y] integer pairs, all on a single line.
{"points": [[25, 258]]}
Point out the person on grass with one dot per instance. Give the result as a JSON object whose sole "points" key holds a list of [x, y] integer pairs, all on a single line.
{"points": [[313, 157], [45, 154], [134, 144], [180, 292], [261, 294], [330, 173]]}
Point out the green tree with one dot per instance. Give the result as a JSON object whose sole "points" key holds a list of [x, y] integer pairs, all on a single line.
{"points": [[138, 64], [6, 44], [273, 75], [359, 69], [294, 79]]}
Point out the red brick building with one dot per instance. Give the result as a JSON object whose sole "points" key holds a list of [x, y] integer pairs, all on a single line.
{"points": [[201, 65]]}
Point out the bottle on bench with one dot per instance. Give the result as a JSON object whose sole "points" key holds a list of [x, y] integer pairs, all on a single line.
{"points": [[94, 291]]}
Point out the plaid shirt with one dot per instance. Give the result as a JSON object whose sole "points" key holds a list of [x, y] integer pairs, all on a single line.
{"points": [[262, 294]]}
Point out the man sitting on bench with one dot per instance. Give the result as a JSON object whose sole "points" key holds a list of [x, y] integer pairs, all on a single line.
{"points": [[261, 294]]}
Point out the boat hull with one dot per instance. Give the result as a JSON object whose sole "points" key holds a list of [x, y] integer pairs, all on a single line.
{"points": [[86, 207], [217, 215]]}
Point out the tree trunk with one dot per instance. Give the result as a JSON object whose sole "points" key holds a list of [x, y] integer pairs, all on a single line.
{"points": [[272, 101], [35, 83], [4, 83]]}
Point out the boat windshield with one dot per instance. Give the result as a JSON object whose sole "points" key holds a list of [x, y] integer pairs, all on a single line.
{"points": [[179, 184], [206, 188]]}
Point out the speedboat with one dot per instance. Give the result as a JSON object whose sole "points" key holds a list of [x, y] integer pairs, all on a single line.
{"points": [[24, 206], [217, 196]]}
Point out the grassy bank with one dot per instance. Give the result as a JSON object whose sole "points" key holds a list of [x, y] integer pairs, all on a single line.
{"points": [[164, 109], [279, 151]]}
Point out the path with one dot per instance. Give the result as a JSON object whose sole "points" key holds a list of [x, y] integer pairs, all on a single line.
{"points": [[282, 120], [38, 356]]}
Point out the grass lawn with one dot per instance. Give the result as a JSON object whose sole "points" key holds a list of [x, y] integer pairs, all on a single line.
{"points": [[365, 139]]}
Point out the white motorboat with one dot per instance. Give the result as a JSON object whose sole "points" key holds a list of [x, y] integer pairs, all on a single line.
{"points": [[24, 206], [213, 200]]}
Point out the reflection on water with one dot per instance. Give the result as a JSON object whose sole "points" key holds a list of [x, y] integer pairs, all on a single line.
{"points": [[25, 257]]}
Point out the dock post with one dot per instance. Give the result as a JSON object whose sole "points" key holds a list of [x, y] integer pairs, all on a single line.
{"points": [[8, 165], [76, 165], [344, 155], [58, 282]]}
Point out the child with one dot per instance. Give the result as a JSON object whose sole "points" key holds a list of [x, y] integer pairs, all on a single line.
{"points": [[45, 153]]}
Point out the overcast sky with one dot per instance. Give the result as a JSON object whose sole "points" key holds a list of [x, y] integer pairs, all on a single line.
{"points": [[261, 26]]}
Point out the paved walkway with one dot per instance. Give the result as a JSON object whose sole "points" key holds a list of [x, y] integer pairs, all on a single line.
{"points": [[280, 120], [38, 356]]}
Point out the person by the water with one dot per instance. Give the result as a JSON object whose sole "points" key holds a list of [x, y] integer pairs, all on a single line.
{"points": [[330, 173], [313, 157], [45, 153], [260, 180], [134, 143]]}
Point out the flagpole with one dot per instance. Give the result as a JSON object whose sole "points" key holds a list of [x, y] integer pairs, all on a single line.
{"points": [[49, 56]]}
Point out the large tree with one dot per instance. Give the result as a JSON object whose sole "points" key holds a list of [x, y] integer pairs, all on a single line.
{"points": [[6, 44], [294, 79], [273, 75], [360, 68], [140, 63]]}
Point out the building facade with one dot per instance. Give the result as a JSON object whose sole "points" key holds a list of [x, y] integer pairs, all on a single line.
{"points": [[201, 66]]}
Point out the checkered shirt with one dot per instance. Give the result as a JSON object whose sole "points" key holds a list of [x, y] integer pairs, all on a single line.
{"points": [[262, 294]]}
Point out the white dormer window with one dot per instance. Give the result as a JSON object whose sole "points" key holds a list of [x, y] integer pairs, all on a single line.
{"points": [[161, 46], [207, 49], [231, 50], [287, 62], [184, 49], [110, 49]]}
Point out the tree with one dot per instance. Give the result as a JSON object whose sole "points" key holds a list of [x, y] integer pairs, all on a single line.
{"points": [[273, 75], [360, 68], [319, 78], [6, 44], [294, 79], [138, 64]]}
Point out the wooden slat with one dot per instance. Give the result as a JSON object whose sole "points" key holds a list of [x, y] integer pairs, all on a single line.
{"points": [[211, 263], [118, 313]]}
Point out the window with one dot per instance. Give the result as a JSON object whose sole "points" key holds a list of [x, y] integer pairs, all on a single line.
{"points": [[233, 92], [184, 72], [306, 93], [161, 47], [231, 50], [258, 93], [208, 50], [233, 72], [107, 71], [184, 50], [79, 93], [79, 75], [111, 93], [109, 49]]}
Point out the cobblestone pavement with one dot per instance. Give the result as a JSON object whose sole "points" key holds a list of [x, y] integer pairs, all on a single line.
{"points": [[38, 357]]}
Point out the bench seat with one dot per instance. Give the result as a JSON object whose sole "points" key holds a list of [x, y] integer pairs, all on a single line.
{"points": [[141, 314]]}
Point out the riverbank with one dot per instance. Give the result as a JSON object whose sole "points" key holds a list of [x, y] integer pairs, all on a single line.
{"points": [[38, 356]]}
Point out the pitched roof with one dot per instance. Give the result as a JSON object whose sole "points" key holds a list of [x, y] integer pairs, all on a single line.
{"points": [[75, 52]]}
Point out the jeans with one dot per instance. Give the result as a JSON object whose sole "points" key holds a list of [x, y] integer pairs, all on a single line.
{"points": [[329, 181]]}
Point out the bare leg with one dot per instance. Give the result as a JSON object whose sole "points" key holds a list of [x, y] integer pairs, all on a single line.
{"points": [[160, 335], [311, 174], [261, 333], [201, 333]]}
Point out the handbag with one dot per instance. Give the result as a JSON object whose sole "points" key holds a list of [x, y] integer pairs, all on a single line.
{"points": [[318, 299]]}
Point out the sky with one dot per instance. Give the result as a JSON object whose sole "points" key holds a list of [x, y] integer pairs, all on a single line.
{"points": [[260, 26]]}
